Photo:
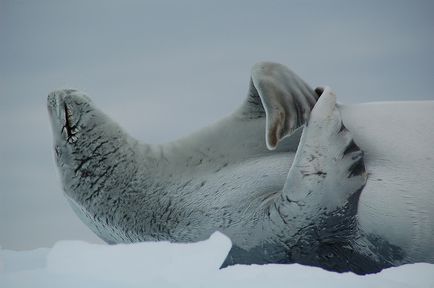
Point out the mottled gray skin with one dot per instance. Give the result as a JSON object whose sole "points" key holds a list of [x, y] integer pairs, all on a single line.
{"points": [[224, 178]]}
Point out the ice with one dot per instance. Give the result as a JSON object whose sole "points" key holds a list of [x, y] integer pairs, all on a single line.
{"points": [[145, 261], [12, 261], [163, 264]]}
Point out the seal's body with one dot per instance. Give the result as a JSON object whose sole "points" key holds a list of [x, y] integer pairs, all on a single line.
{"points": [[397, 203], [305, 195]]}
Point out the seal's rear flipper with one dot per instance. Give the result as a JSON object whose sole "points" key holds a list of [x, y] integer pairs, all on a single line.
{"points": [[328, 168], [283, 97]]}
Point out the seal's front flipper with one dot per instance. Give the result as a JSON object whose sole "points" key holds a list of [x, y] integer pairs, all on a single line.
{"points": [[328, 168]]}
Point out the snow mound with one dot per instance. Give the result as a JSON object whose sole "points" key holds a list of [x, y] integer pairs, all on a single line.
{"points": [[163, 264]]}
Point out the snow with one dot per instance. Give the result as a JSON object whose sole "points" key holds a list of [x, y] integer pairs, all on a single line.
{"points": [[163, 264]]}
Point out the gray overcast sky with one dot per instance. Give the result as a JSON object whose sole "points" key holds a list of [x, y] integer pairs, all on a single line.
{"points": [[141, 61]]}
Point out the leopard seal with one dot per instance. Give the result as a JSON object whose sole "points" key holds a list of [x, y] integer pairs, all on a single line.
{"points": [[306, 194]]}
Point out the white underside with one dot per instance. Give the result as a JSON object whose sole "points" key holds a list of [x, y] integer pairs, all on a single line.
{"points": [[398, 200]]}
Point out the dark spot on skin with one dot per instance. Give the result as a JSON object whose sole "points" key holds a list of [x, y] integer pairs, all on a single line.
{"points": [[352, 147], [185, 184], [220, 168], [357, 155], [202, 184], [58, 152], [321, 173], [81, 163], [357, 168], [319, 91], [317, 173], [85, 173]]}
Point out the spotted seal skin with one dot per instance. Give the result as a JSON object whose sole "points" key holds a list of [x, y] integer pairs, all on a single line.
{"points": [[301, 196]]}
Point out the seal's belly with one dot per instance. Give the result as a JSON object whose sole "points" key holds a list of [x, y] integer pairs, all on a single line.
{"points": [[397, 203]]}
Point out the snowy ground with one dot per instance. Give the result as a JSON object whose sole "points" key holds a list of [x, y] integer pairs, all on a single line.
{"points": [[79, 264]]}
